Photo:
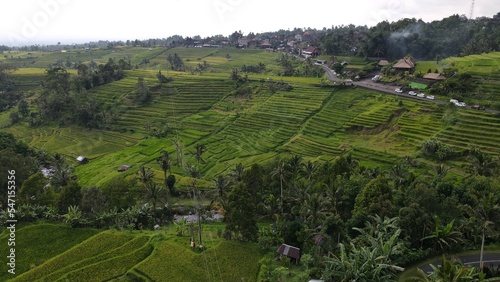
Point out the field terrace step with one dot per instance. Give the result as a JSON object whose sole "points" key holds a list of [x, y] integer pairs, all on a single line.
{"points": [[312, 148]]}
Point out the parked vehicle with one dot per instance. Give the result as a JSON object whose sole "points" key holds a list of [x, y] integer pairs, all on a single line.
{"points": [[412, 93], [398, 90], [421, 95], [430, 97], [477, 107], [461, 104]]}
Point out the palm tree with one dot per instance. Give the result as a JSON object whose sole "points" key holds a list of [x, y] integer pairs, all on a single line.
{"points": [[145, 175], [482, 164], [154, 193], [198, 206], [237, 172], [280, 171], [309, 170], [399, 175], [178, 150], [221, 184], [165, 163], [313, 209], [440, 171], [61, 175], [199, 150], [295, 164], [484, 213]]}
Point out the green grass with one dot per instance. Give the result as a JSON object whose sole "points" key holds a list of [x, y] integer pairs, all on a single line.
{"points": [[418, 85], [318, 123], [47, 252], [94, 246], [32, 245], [227, 261]]}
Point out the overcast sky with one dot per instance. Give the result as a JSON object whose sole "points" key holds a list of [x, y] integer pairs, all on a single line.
{"points": [[50, 21]]}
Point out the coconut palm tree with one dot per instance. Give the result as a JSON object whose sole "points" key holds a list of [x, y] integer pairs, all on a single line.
{"points": [[154, 193], [482, 164], [165, 163], [440, 170], [237, 172], [145, 175], [199, 150], [485, 213], [280, 171], [221, 184], [309, 169]]}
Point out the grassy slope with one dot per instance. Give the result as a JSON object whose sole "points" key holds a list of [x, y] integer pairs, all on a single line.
{"points": [[63, 254], [227, 261], [32, 245], [95, 246], [485, 68], [317, 123]]}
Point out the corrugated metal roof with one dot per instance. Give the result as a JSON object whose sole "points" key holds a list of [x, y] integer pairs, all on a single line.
{"points": [[289, 251]]}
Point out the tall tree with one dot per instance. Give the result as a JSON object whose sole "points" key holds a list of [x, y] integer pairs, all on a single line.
{"points": [[486, 213], [165, 163], [280, 171], [240, 216]]}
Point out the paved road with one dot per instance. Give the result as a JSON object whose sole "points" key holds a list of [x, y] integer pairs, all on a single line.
{"points": [[489, 259], [330, 73], [369, 84]]}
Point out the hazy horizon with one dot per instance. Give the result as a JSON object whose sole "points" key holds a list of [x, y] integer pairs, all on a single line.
{"points": [[48, 22]]}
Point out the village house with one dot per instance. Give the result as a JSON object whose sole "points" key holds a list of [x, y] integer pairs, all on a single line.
{"points": [[310, 52], [383, 63], [265, 44], [434, 76], [405, 64]]}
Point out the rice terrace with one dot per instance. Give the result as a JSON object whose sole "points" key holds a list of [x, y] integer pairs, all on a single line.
{"points": [[194, 159]]}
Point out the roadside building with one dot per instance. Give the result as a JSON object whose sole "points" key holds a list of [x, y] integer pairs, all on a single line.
{"points": [[434, 76]]}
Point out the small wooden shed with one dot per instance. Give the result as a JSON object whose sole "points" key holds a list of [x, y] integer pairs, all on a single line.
{"points": [[289, 251], [82, 160]]}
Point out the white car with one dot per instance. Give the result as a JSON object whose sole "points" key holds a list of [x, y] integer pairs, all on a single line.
{"points": [[398, 90], [461, 104], [421, 95], [430, 97], [412, 93]]}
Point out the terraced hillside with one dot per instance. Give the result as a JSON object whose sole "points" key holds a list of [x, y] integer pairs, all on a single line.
{"points": [[32, 241], [484, 68], [99, 258], [90, 255], [252, 122]]}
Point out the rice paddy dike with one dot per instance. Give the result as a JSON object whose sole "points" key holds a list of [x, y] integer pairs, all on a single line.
{"points": [[251, 123]]}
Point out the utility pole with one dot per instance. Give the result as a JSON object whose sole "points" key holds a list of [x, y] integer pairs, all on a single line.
{"points": [[198, 206], [471, 12]]}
